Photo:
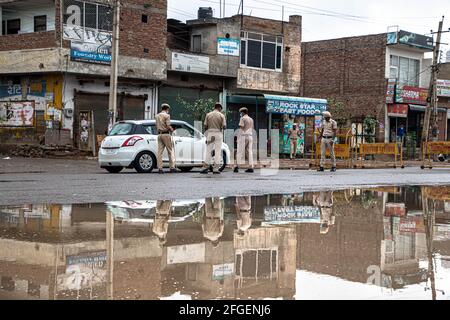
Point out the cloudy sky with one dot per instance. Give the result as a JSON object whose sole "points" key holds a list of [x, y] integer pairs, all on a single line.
{"points": [[327, 19]]}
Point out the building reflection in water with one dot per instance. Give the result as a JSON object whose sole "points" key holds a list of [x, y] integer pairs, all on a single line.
{"points": [[242, 247]]}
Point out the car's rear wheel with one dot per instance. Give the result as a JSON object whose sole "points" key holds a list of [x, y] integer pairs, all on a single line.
{"points": [[185, 169], [113, 169], [145, 162]]}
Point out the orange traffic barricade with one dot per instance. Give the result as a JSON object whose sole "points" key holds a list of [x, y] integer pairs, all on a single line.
{"points": [[433, 148], [381, 149]]}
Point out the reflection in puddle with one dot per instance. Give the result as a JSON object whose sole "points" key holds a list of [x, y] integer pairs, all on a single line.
{"points": [[384, 243]]}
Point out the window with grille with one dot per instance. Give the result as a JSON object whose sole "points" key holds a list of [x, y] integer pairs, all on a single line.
{"points": [[88, 15], [40, 23], [13, 26], [261, 51]]}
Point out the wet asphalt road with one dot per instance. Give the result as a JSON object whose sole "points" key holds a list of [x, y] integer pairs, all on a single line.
{"points": [[31, 181]]}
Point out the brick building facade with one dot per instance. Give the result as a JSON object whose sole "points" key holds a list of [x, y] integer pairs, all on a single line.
{"points": [[354, 72], [62, 68]]}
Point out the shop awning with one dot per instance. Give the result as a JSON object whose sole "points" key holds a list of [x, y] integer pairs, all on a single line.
{"points": [[416, 107], [246, 99], [298, 106]]}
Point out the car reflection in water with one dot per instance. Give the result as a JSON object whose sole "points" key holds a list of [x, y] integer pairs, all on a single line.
{"points": [[381, 243]]}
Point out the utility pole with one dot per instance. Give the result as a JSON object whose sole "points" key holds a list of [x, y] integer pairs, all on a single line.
{"points": [[114, 66], [431, 110]]}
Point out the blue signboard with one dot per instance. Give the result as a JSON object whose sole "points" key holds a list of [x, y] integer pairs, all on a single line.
{"points": [[90, 52], [294, 105], [227, 46]]}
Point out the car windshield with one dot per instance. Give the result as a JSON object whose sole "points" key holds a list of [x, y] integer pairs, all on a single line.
{"points": [[121, 129]]}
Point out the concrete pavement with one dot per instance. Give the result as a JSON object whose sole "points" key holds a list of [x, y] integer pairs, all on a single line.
{"points": [[36, 180]]}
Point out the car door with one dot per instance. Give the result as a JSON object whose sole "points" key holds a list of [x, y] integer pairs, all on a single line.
{"points": [[187, 145], [149, 134]]}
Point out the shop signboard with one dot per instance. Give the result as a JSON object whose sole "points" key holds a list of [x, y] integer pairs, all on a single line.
{"points": [[412, 225], [395, 209], [294, 105], [228, 46], [408, 94], [16, 113], [390, 91], [220, 271], [275, 215], [188, 253], [415, 40], [190, 63], [397, 110], [443, 88], [83, 271], [90, 52]]}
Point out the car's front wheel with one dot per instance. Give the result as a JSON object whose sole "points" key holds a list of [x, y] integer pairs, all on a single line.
{"points": [[113, 169], [145, 162]]}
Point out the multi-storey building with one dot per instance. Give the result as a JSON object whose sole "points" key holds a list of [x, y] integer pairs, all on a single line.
{"points": [[385, 76], [55, 58]]}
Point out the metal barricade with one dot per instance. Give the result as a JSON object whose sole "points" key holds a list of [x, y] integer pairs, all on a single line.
{"points": [[341, 150], [433, 148], [381, 149]]}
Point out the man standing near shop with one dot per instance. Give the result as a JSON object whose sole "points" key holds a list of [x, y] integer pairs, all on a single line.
{"points": [[245, 141], [328, 130], [164, 138], [215, 123], [294, 134]]}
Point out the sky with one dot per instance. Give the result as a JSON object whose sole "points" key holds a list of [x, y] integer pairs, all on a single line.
{"points": [[328, 19]]}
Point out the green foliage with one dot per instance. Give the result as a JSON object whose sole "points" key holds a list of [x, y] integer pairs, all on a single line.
{"points": [[195, 110], [370, 125]]}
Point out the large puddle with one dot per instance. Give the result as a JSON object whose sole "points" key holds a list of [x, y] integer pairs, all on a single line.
{"points": [[384, 243]]}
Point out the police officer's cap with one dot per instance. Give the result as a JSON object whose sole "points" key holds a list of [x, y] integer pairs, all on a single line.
{"points": [[326, 114], [165, 106], [243, 109]]}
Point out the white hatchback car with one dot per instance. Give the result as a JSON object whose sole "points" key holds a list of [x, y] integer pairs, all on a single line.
{"points": [[133, 144]]}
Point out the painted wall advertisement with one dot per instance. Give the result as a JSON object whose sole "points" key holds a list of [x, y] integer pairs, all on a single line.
{"points": [[16, 113], [190, 63], [83, 271], [285, 144], [227, 46]]}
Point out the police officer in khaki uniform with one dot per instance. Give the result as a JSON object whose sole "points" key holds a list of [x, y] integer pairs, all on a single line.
{"points": [[215, 123], [328, 130], [325, 202], [164, 138], [243, 207], [244, 141], [161, 221], [294, 134], [213, 220]]}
